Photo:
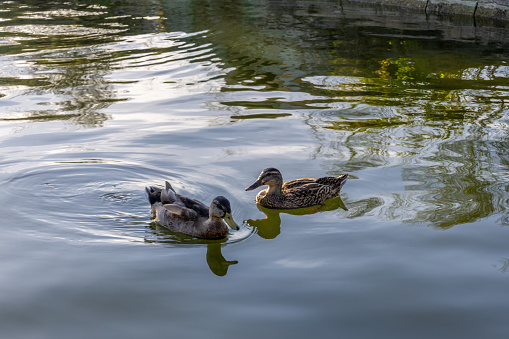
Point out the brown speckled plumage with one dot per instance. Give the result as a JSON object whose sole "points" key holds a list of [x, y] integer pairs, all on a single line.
{"points": [[298, 193], [190, 216]]}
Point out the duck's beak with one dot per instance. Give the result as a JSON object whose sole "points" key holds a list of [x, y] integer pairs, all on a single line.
{"points": [[257, 183], [230, 222]]}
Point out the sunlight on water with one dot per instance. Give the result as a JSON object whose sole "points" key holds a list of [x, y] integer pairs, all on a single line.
{"points": [[392, 115], [99, 99], [164, 66]]}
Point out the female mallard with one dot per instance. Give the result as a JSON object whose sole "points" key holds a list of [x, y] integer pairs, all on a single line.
{"points": [[298, 193], [190, 216]]}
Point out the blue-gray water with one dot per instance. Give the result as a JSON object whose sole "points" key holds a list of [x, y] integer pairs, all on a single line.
{"points": [[100, 98]]}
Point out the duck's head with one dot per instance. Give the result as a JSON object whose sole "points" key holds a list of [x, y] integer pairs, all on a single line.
{"points": [[269, 176], [220, 208]]}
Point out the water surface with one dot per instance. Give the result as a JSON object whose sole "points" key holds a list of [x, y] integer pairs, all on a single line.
{"points": [[99, 99]]}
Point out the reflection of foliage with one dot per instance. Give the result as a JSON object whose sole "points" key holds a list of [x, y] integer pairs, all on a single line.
{"points": [[363, 124], [441, 122], [432, 110], [59, 58], [397, 69]]}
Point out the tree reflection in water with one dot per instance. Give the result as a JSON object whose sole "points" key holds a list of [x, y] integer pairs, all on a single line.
{"points": [[423, 97], [59, 63]]}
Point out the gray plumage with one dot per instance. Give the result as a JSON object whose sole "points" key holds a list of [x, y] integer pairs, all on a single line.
{"points": [[190, 216]]}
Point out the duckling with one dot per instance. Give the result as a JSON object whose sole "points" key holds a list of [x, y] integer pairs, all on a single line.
{"points": [[190, 216], [298, 193]]}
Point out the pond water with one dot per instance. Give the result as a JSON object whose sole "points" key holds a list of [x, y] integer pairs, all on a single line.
{"points": [[100, 98]]}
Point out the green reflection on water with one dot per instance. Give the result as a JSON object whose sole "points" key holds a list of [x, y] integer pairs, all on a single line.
{"points": [[214, 256], [412, 96], [216, 261], [270, 226]]}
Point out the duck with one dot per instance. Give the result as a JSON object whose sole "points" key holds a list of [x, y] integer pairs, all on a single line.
{"points": [[304, 192], [190, 216]]}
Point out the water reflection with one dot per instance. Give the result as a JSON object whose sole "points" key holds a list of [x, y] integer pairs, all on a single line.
{"points": [[421, 97], [54, 57], [417, 98], [270, 226], [504, 265], [214, 256], [216, 261], [203, 92], [453, 173]]}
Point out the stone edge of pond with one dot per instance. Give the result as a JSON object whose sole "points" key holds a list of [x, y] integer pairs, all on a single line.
{"points": [[497, 10]]}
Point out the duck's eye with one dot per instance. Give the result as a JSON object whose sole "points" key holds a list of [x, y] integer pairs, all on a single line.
{"points": [[220, 208]]}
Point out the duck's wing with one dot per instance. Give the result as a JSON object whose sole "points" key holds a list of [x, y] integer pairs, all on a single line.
{"points": [[169, 196], [181, 211], [196, 205], [298, 183], [305, 189], [167, 185]]}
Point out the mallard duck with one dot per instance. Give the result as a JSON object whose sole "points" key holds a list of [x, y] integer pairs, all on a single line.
{"points": [[190, 216], [298, 193]]}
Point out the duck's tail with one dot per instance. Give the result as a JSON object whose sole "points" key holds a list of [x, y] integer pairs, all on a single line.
{"points": [[341, 180], [156, 194], [335, 182], [153, 194]]}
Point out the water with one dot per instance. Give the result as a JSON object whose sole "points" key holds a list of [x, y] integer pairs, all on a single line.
{"points": [[99, 99]]}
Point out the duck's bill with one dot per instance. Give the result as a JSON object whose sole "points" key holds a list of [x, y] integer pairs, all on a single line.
{"points": [[230, 222], [257, 184]]}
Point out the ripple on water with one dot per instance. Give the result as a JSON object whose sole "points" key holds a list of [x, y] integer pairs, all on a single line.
{"points": [[92, 201]]}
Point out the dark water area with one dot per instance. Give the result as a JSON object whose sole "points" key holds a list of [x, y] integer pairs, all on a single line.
{"points": [[99, 99]]}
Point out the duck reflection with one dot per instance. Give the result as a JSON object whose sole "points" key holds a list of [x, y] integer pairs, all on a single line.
{"points": [[270, 226], [216, 261], [214, 257]]}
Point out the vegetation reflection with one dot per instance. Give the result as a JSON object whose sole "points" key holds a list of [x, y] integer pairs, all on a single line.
{"points": [[424, 101], [428, 103], [58, 55]]}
